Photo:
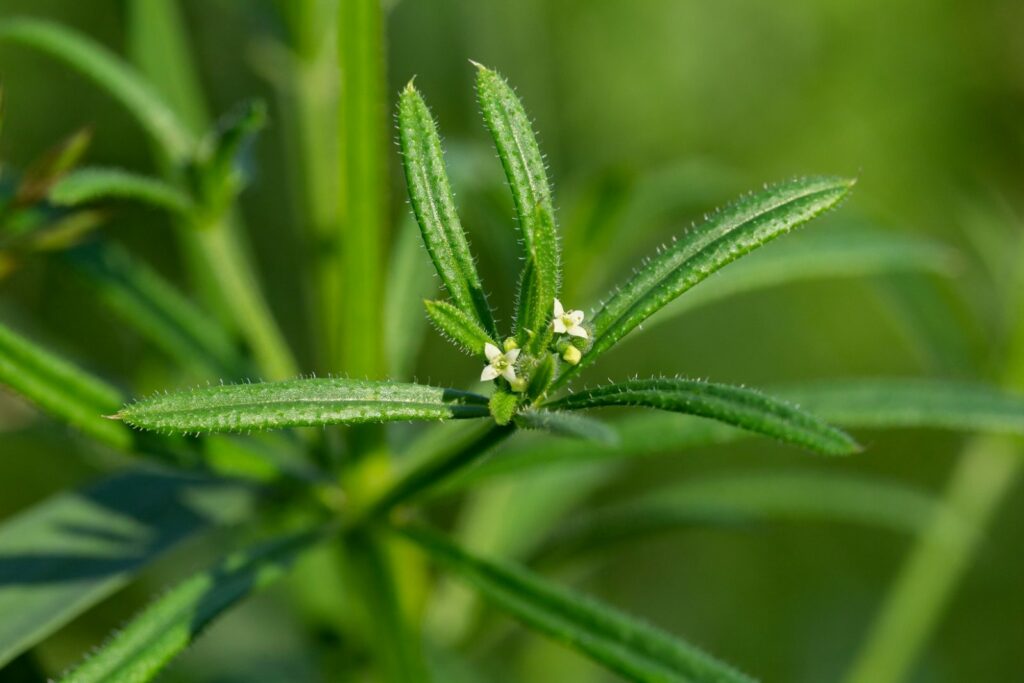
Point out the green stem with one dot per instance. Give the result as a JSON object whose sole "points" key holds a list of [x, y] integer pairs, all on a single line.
{"points": [[941, 556]]}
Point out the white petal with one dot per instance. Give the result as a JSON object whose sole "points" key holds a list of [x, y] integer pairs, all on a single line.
{"points": [[488, 374], [511, 355], [576, 317], [509, 373], [492, 352], [578, 331], [558, 325], [559, 311]]}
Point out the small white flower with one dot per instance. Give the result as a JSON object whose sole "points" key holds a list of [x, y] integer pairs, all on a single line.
{"points": [[499, 364], [568, 322]]}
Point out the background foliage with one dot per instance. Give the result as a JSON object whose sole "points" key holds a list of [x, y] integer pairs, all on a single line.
{"points": [[923, 103]]}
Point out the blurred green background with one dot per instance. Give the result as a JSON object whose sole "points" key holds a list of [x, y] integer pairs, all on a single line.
{"points": [[924, 102]]}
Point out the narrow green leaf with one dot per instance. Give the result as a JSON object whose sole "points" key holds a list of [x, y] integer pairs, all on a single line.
{"points": [[95, 184], [635, 650], [749, 498], [434, 205], [168, 626], [458, 327], [567, 424], [61, 389], [409, 278], [68, 553], [44, 172], [109, 72], [222, 173], [730, 234], [924, 403], [736, 406], [524, 167], [816, 255], [299, 403], [164, 316]]}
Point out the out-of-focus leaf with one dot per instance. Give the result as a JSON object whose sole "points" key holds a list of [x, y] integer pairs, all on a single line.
{"points": [[43, 173], [524, 167], [733, 232], [66, 554], [108, 71], [141, 650], [749, 498], [94, 184], [410, 279], [61, 389], [736, 406], [299, 403], [816, 255], [143, 299], [434, 205], [635, 650], [220, 169], [567, 424]]}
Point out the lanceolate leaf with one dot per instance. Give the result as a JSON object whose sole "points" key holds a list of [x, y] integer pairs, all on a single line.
{"points": [[743, 408], [299, 403], [61, 389], [733, 232], [749, 497], [634, 650], [931, 404], [564, 423], [458, 327], [108, 71], [434, 206], [524, 167], [96, 184], [67, 553], [143, 299], [168, 626]]}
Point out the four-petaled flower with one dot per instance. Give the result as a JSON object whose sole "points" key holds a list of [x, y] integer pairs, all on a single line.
{"points": [[568, 322], [499, 364]]}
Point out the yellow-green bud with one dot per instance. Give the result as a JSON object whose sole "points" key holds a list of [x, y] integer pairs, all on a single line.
{"points": [[518, 384], [510, 344], [571, 355]]}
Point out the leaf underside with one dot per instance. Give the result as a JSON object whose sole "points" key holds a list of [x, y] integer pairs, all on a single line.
{"points": [[299, 403]]}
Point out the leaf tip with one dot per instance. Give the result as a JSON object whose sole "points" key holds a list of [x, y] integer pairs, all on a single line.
{"points": [[478, 65]]}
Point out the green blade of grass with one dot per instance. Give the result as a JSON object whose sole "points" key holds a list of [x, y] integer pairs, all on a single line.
{"points": [[433, 203], [141, 650], [632, 649], [61, 389], [736, 406], [527, 177], [95, 184], [109, 72], [745, 498], [733, 232], [162, 314], [298, 403], [69, 552]]}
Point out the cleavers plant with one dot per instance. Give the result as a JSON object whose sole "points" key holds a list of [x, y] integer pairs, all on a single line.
{"points": [[290, 496]]}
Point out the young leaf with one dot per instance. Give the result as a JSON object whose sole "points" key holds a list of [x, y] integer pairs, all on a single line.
{"points": [[221, 175], [634, 650], [524, 167], [743, 408], [61, 389], [299, 403], [109, 72], [168, 626], [749, 498], [94, 184], [434, 206], [143, 299], [458, 327], [69, 552], [733, 232], [567, 424]]}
